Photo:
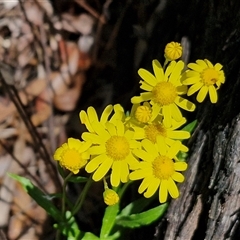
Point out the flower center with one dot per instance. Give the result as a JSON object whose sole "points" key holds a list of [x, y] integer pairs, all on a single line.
{"points": [[72, 160], [154, 130], [117, 147], [163, 167], [164, 93], [209, 76], [143, 114]]}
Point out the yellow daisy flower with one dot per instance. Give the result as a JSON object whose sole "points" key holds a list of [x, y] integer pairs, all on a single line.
{"points": [[173, 51], [112, 149], [158, 170], [73, 155], [204, 77], [91, 115], [164, 90], [157, 129]]}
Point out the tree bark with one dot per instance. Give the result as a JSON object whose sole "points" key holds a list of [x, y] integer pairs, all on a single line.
{"points": [[209, 203]]}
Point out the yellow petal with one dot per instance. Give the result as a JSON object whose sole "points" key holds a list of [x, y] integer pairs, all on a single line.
{"points": [[94, 163], [194, 88], [185, 104], [158, 70], [202, 94], [218, 66], [106, 113], [102, 169], [176, 72], [84, 120], [213, 94], [120, 128], [180, 166], [115, 175], [146, 86], [163, 192], [202, 63], [124, 171], [172, 188], [174, 149], [178, 134], [143, 155], [166, 111], [178, 177], [149, 147], [195, 67], [147, 76], [192, 80], [111, 128], [208, 63], [96, 150], [152, 188], [145, 183], [92, 114], [176, 113]]}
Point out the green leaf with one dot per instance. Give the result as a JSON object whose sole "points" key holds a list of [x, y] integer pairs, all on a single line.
{"points": [[144, 218], [135, 207], [90, 236], [77, 179], [108, 220], [191, 126], [41, 198], [69, 228]]}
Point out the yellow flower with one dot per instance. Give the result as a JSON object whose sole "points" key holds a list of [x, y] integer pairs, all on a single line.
{"points": [[173, 51], [204, 77], [112, 149], [110, 197], [158, 170], [73, 155], [140, 115], [157, 129], [91, 115], [164, 90]]}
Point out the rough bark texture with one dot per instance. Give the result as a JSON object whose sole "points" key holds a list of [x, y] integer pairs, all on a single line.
{"points": [[209, 205]]}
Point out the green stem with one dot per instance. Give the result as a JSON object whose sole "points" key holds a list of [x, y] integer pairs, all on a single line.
{"points": [[165, 63], [123, 189], [82, 197], [58, 235]]}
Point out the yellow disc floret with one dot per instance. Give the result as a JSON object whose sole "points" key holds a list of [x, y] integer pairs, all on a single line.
{"points": [[209, 76], [117, 147], [164, 93], [154, 130], [163, 167]]}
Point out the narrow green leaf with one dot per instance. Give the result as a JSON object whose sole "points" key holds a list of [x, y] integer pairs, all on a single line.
{"points": [[77, 179], [144, 218], [41, 198], [109, 220], [191, 126]]}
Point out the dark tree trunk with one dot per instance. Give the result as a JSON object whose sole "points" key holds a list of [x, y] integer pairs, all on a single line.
{"points": [[209, 204]]}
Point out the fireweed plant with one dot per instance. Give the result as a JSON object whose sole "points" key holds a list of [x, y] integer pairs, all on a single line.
{"points": [[144, 144]]}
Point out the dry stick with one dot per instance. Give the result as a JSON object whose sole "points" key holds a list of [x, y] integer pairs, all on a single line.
{"points": [[32, 130], [23, 167], [89, 9]]}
